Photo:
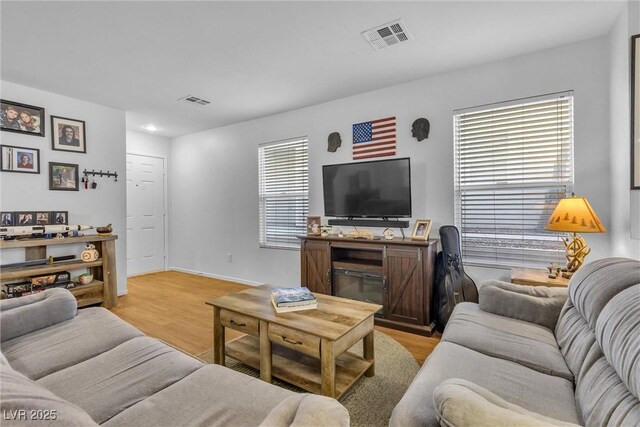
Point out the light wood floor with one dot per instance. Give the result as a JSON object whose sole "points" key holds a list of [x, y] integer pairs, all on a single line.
{"points": [[171, 306]]}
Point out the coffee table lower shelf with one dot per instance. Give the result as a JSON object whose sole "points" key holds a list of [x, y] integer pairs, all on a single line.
{"points": [[296, 368]]}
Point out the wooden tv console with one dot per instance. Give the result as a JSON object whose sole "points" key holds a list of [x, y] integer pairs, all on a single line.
{"points": [[406, 267]]}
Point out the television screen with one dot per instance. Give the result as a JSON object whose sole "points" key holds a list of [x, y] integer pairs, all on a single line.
{"points": [[376, 189]]}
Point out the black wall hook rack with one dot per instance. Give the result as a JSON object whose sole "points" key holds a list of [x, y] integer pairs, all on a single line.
{"points": [[100, 173]]}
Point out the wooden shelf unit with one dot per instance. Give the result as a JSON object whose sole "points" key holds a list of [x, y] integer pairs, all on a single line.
{"points": [[103, 289], [407, 268]]}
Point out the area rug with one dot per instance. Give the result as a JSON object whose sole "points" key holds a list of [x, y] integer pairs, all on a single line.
{"points": [[370, 400]]}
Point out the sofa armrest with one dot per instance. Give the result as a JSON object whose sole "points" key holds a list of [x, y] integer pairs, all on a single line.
{"points": [[307, 410], [535, 304], [20, 316], [462, 403]]}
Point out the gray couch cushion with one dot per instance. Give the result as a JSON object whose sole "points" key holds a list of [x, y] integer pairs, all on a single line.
{"points": [[597, 334], [547, 395], [223, 398], [19, 316], [522, 342], [91, 332], [121, 377], [24, 402], [536, 304], [463, 403], [306, 409]]}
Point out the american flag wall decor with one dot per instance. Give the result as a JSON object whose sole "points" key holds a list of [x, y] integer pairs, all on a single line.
{"points": [[376, 138]]}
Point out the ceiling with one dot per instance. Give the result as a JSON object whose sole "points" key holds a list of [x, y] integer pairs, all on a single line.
{"points": [[255, 59]]}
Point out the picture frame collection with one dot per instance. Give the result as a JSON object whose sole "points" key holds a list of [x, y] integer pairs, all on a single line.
{"points": [[67, 134], [23, 218]]}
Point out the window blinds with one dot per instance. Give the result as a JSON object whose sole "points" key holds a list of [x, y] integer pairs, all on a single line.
{"points": [[283, 193], [513, 163]]}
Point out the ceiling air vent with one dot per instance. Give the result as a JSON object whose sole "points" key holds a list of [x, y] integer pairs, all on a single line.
{"points": [[387, 35], [190, 99]]}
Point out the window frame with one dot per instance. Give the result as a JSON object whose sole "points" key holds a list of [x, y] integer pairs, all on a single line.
{"points": [[537, 196], [272, 191]]}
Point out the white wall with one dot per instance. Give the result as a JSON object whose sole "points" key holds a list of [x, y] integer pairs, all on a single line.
{"points": [[625, 203], [214, 174], [150, 145], [105, 141]]}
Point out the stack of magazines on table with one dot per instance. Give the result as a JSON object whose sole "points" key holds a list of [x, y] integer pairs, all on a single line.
{"points": [[292, 299]]}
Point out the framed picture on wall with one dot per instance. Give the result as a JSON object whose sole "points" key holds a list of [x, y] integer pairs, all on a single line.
{"points": [[61, 217], [24, 218], [43, 218], [68, 135], [19, 159], [635, 112], [421, 229], [21, 118], [6, 218], [63, 176]]}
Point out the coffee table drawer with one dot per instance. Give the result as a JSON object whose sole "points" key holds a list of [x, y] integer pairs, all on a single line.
{"points": [[295, 340], [239, 322]]}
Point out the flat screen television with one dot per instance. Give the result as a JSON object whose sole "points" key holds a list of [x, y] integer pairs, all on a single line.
{"points": [[375, 189]]}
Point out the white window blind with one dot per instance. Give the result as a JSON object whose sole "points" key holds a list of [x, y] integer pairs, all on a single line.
{"points": [[284, 192], [513, 163]]}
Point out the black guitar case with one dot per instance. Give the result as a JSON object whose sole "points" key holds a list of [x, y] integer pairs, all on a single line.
{"points": [[452, 284]]}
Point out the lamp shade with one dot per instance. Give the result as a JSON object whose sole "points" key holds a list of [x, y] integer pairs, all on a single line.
{"points": [[575, 215]]}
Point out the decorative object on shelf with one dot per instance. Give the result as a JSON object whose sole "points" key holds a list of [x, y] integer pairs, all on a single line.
{"points": [[573, 215], [334, 141], [21, 118], [89, 253], [106, 230], [20, 159], [388, 234], [68, 135], [420, 129], [361, 234], [554, 270], [635, 112], [376, 138], [313, 226], [421, 229], [63, 176], [85, 279], [27, 230], [100, 173], [325, 230]]}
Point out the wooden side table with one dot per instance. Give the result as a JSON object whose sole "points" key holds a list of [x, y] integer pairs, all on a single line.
{"points": [[535, 277]]}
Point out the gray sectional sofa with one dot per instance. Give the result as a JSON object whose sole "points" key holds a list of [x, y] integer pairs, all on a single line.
{"points": [[61, 366], [531, 356]]}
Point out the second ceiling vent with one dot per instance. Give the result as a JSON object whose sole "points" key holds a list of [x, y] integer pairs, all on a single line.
{"points": [[190, 99], [386, 35]]}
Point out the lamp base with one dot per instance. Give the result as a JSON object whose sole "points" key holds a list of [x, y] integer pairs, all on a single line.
{"points": [[576, 251]]}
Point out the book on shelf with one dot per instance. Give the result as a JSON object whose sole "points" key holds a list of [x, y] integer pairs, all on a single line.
{"points": [[307, 306], [290, 297]]}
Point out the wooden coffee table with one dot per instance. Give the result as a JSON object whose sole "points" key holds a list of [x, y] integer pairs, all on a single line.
{"points": [[304, 348]]}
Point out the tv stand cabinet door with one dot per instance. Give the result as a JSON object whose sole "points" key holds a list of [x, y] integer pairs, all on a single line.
{"points": [[404, 286], [315, 268]]}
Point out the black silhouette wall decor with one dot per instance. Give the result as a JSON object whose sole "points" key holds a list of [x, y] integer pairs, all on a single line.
{"points": [[420, 129], [334, 142]]}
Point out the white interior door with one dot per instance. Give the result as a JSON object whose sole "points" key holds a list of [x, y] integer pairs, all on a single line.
{"points": [[145, 214]]}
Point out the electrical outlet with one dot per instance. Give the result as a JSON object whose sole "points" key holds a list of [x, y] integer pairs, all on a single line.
{"points": [[229, 257]]}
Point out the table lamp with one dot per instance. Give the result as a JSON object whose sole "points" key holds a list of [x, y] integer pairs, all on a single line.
{"points": [[573, 215]]}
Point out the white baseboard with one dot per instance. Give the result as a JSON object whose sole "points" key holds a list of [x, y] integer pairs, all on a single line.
{"points": [[217, 276]]}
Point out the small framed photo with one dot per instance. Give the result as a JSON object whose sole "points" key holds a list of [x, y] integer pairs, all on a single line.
{"points": [[313, 226], [43, 218], [24, 218], [421, 229], [20, 159], [68, 135], [6, 218], [63, 176], [21, 118], [61, 217]]}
